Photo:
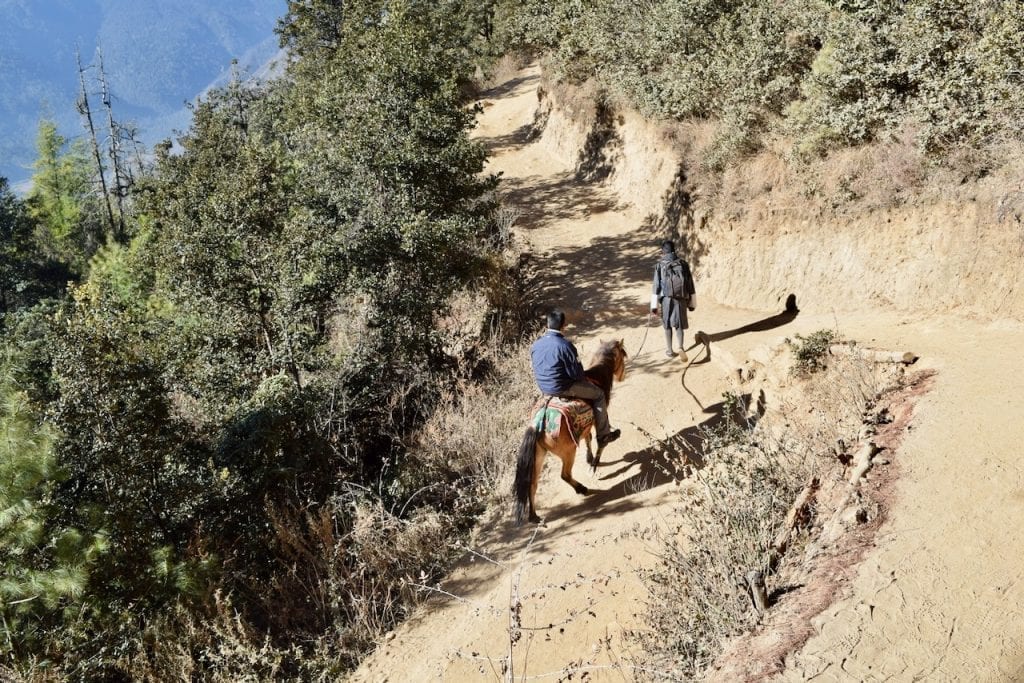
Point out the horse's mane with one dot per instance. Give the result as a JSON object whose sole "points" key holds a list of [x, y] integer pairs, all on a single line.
{"points": [[602, 368]]}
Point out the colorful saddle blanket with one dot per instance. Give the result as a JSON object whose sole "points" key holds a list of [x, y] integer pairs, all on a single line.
{"points": [[548, 414]]}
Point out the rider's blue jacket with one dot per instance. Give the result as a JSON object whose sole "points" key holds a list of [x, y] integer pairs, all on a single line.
{"points": [[556, 365]]}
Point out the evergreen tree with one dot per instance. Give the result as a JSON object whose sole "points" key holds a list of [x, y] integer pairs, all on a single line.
{"points": [[62, 200]]}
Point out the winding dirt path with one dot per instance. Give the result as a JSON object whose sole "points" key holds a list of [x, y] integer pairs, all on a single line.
{"points": [[939, 598]]}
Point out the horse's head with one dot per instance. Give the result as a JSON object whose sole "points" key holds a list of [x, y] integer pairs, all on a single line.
{"points": [[620, 356], [608, 364]]}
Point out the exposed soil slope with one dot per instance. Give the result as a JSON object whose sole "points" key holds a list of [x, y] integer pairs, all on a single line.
{"points": [[938, 598]]}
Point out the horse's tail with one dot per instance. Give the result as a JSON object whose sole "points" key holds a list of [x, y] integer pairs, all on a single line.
{"points": [[524, 473]]}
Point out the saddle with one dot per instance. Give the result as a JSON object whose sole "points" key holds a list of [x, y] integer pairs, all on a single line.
{"points": [[548, 412]]}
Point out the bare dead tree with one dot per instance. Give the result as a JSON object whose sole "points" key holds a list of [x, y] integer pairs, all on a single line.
{"points": [[122, 181], [86, 112]]}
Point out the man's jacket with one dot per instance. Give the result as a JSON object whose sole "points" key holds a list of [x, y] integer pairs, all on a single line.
{"points": [[556, 365]]}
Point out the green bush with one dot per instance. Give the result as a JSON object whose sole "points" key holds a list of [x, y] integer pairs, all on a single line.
{"points": [[810, 352]]}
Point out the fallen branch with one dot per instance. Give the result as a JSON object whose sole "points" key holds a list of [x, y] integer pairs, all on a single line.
{"points": [[797, 513], [862, 461]]}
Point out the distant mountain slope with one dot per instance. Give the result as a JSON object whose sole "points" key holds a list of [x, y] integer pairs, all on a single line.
{"points": [[158, 54]]}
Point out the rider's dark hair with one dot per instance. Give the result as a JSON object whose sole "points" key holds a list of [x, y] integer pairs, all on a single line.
{"points": [[556, 319]]}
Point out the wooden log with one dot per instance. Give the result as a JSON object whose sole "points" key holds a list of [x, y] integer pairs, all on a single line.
{"points": [[874, 355], [862, 461], [758, 592]]}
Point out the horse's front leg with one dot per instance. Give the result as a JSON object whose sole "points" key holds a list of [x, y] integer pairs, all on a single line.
{"points": [[567, 474], [597, 459]]}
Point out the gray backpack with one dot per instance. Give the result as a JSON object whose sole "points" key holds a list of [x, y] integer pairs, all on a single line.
{"points": [[673, 280]]}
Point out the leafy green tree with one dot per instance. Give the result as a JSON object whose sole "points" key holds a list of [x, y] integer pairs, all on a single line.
{"points": [[388, 166], [15, 245], [195, 382], [962, 66]]}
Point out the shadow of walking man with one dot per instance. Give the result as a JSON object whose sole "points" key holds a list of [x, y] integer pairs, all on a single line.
{"points": [[787, 316]]}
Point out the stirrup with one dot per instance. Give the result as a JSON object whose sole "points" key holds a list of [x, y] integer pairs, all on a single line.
{"points": [[606, 439]]}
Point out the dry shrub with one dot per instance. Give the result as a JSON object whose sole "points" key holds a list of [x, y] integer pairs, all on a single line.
{"points": [[477, 430], [831, 406], [764, 176], [692, 141], [579, 101], [347, 570], [736, 509], [875, 176], [220, 647], [898, 170], [31, 672], [754, 471], [461, 325]]}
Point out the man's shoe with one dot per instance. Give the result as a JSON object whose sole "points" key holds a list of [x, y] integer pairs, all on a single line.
{"points": [[683, 357], [670, 354], [606, 439]]}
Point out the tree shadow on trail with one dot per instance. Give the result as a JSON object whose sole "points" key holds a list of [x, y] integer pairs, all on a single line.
{"points": [[509, 86], [517, 138], [596, 283], [544, 200]]}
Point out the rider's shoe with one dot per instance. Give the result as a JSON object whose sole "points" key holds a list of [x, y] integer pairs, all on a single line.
{"points": [[606, 439]]}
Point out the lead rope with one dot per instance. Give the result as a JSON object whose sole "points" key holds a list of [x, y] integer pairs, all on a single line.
{"points": [[647, 328]]}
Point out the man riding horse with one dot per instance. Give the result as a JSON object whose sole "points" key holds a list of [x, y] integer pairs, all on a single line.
{"points": [[558, 372]]}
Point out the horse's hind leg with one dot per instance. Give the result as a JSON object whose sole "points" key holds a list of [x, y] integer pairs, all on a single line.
{"points": [[597, 458]]}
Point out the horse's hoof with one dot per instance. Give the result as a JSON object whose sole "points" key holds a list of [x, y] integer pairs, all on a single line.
{"points": [[582, 490], [534, 519]]}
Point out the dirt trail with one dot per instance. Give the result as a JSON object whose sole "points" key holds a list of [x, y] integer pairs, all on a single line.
{"points": [[939, 598]]}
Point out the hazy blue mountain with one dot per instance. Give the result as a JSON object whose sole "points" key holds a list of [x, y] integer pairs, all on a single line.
{"points": [[158, 55]]}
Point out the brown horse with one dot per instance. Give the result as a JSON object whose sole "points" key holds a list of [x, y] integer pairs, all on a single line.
{"points": [[608, 364]]}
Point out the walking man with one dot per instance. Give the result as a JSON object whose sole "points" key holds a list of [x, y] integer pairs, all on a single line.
{"points": [[673, 290]]}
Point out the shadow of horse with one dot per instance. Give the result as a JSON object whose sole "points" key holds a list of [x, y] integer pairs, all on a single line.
{"points": [[668, 460]]}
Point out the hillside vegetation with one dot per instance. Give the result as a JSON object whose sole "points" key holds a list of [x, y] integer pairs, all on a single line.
{"points": [[235, 414], [826, 74]]}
